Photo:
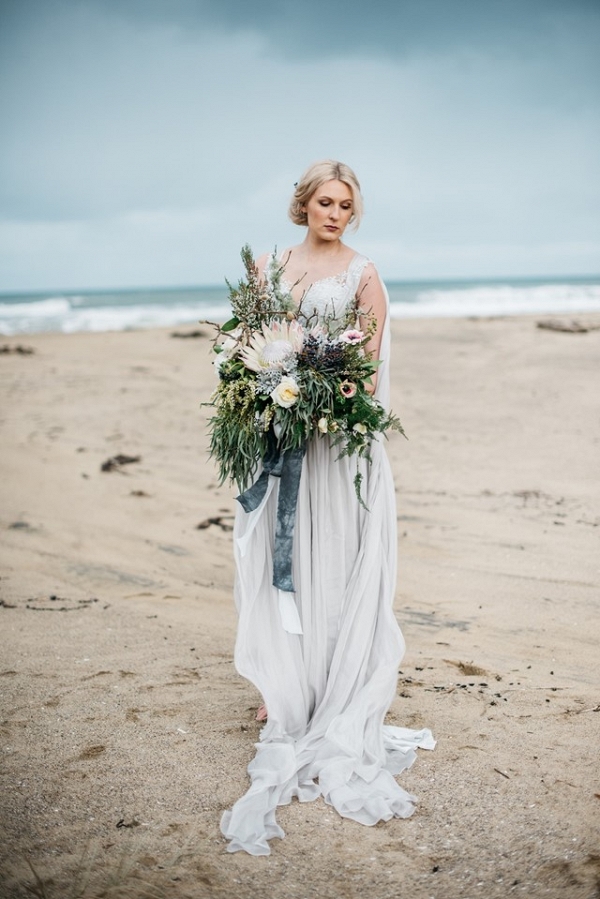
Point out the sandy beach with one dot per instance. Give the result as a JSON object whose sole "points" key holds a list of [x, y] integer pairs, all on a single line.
{"points": [[125, 729]]}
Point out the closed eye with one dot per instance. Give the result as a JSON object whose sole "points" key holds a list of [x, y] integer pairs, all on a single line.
{"points": [[328, 203]]}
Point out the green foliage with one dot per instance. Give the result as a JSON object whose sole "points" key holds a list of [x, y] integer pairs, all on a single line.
{"points": [[236, 442], [231, 325], [256, 300], [332, 377]]}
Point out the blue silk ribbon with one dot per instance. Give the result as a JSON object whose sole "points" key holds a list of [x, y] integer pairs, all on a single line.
{"points": [[288, 468]]}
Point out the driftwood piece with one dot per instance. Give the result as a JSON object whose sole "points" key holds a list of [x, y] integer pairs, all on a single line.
{"points": [[186, 334], [18, 350], [569, 327]]}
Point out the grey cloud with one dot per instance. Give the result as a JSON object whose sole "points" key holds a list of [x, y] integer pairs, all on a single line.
{"points": [[138, 124], [299, 29], [407, 21]]}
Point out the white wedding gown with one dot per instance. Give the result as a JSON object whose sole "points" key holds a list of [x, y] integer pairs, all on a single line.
{"points": [[328, 688]]}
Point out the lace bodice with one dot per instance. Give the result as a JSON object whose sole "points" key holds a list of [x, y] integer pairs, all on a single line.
{"points": [[329, 298]]}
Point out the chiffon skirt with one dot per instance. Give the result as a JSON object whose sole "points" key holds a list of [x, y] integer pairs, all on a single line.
{"points": [[328, 688]]}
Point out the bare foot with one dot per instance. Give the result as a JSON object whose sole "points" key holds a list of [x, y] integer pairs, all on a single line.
{"points": [[261, 713]]}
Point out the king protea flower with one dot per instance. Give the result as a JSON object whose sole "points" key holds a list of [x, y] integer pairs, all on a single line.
{"points": [[270, 347]]}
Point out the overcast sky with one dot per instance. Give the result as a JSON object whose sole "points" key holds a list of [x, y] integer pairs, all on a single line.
{"points": [[144, 141]]}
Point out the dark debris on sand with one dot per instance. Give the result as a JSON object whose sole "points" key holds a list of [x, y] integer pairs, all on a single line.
{"points": [[51, 604], [115, 463], [220, 521], [17, 350]]}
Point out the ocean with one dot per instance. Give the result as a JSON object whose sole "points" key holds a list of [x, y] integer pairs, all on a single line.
{"points": [[120, 310]]}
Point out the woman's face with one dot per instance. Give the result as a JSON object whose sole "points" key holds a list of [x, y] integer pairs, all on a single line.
{"points": [[329, 210]]}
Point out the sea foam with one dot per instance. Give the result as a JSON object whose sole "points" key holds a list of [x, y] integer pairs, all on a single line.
{"points": [[497, 299], [128, 310]]}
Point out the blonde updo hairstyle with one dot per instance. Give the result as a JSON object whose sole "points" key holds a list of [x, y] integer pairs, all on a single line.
{"points": [[316, 175]]}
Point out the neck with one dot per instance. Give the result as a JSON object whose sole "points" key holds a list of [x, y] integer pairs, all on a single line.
{"points": [[314, 246]]}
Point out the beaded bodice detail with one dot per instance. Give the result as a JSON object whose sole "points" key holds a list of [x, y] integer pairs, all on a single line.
{"points": [[330, 298]]}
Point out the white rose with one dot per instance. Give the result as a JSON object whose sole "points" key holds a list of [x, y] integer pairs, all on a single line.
{"points": [[360, 428], [286, 393], [322, 425]]}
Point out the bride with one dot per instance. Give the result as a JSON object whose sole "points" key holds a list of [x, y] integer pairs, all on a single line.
{"points": [[325, 658]]}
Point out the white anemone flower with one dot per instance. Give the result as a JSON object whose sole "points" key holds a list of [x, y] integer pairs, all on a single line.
{"points": [[230, 346], [273, 345]]}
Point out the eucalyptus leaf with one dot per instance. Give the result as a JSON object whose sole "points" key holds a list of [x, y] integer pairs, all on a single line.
{"points": [[230, 325]]}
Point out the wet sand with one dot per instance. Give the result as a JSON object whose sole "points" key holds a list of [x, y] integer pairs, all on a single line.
{"points": [[125, 728]]}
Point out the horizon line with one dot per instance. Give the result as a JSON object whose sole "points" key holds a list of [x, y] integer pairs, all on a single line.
{"points": [[487, 279]]}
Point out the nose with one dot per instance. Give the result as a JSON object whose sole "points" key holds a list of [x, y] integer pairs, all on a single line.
{"points": [[334, 212]]}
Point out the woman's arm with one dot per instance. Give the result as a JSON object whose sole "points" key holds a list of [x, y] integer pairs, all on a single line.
{"points": [[372, 299]]}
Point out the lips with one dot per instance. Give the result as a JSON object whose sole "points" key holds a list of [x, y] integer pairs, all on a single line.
{"points": [[332, 227]]}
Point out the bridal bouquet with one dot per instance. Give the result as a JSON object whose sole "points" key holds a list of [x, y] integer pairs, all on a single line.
{"points": [[286, 378]]}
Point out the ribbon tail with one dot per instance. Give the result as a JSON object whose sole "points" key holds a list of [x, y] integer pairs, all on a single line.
{"points": [[290, 618], [253, 519], [286, 516], [252, 498], [288, 468]]}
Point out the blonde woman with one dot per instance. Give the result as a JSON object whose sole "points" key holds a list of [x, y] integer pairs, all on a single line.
{"points": [[325, 658]]}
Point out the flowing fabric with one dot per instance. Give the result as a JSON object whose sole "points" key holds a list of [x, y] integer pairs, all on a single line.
{"points": [[325, 658]]}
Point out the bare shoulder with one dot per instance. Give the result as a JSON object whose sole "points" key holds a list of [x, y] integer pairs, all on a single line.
{"points": [[369, 275], [283, 255], [287, 254], [261, 262]]}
